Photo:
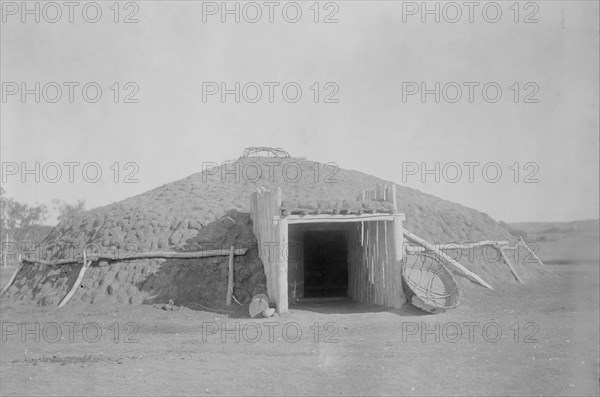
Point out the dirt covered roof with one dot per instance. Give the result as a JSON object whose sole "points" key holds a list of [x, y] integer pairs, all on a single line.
{"points": [[172, 215]]}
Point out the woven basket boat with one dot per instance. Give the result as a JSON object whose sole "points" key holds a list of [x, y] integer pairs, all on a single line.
{"points": [[431, 286]]}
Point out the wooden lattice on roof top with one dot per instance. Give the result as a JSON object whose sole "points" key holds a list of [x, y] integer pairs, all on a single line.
{"points": [[263, 151]]}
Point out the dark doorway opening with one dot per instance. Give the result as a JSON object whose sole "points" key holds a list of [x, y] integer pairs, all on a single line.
{"points": [[325, 264]]}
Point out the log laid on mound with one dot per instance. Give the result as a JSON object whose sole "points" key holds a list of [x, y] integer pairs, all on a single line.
{"points": [[500, 246], [451, 246], [451, 262], [145, 255]]}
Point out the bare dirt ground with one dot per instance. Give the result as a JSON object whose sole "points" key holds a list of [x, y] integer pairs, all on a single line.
{"points": [[357, 350]]}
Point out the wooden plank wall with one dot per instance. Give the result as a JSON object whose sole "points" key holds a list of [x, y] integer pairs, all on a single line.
{"points": [[374, 275], [387, 193], [264, 205], [375, 254]]}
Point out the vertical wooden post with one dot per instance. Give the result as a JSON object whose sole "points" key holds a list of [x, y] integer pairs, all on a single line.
{"points": [[274, 210], [230, 280], [280, 263], [398, 238], [398, 232], [4, 250], [282, 268]]}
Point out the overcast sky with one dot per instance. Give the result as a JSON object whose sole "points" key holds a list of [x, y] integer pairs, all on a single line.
{"points": [[371, 56]]}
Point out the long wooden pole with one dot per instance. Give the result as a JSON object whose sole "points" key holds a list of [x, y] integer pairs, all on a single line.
{"points": [[230, 280], [454, 264], [281, 262], [144, 255], [464, 246], [12, 278], [512, 269], [4, 253], [397, 230], [71, 292], [530, 251]]}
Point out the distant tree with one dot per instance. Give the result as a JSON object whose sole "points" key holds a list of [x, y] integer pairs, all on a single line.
{"points": [[15, 215], [65, 209], [20, 223]]}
